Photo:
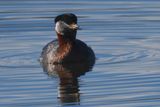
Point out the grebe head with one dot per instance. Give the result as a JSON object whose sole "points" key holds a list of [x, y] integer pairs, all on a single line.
{"points": [[66, 25]]}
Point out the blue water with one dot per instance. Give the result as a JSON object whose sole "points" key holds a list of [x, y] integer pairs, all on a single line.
{"points": [[124, 34]]}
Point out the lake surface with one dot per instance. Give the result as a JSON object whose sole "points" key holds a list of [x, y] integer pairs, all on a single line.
{"points": [[124, 34]]}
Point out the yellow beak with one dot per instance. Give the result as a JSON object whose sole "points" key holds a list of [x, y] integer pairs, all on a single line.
{"points": [[74, 26]]}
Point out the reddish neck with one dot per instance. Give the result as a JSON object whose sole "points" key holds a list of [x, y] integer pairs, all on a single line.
{"points": [[63, 41], [60, 39], [64, 48]]}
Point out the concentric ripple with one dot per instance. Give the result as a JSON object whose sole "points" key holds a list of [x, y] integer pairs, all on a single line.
{"points": [[124, 35]]}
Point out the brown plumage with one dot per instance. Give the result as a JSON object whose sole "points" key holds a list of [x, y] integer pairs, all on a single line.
{"points": [[66, 49]]}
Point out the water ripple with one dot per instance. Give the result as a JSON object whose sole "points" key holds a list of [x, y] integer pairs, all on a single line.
{"points": [[124, 35]]}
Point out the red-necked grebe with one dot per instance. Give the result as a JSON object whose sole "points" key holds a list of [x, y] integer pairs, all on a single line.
{"points": [[66, 49]]}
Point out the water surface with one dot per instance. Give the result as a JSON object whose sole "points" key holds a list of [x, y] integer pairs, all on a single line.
{"points": [[124, 34]]}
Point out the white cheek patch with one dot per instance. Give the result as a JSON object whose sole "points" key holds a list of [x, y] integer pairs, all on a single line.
{"points": [[61, 27], [57, 27]]}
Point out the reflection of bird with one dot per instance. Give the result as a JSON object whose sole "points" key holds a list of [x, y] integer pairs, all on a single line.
{"points": [[66, 48], [68, 76]]}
